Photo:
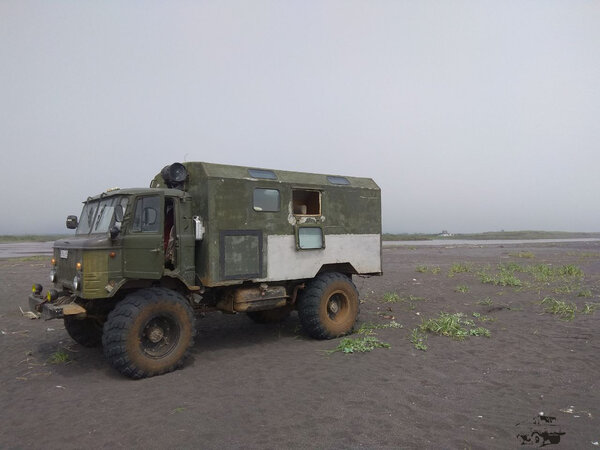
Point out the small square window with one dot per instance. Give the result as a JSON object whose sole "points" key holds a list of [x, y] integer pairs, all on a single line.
{"points": [[266, 200], [338, 180], [310, 238], [306, 203], [262, 173]]}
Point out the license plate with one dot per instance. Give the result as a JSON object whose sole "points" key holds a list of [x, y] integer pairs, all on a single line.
{"points": [[64, 254]]}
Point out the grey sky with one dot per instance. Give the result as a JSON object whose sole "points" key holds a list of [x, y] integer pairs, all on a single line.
{"points": [[471, 116]]}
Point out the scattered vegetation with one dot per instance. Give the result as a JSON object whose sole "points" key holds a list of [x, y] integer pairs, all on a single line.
{"points": [[585, 293], [570, 270], [483, 318], [418, 339], [589, 308], [366, 341], [527, 255], [564, 310], [462, 288], [421, 268], [486, 302], [546, 272], [360, 344], [565, 289], [511, 267], [504, 278], [541, 272], [458, 268], [367, 328], [59, 357], [480, 331], [391, 297], [455, 326]]}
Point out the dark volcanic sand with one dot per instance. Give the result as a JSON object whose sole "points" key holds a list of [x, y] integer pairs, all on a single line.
{"points": [[256, 386]]}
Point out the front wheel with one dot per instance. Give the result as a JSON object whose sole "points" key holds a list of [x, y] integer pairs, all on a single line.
{"points": [[537, 439], [86, 332], [328, 306], [149, 333]]}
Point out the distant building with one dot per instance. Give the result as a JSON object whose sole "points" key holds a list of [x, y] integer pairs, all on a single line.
{"points": [[445, 234]]}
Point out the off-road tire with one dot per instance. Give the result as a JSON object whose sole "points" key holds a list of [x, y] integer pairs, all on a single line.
{"points": [[149, 333], [328, 306], [537, 439], [271, 315], [86, 332]]}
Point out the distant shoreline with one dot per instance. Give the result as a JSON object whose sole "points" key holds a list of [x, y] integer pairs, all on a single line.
{"points": [[491, 235], [13, 238], [484, 236]]}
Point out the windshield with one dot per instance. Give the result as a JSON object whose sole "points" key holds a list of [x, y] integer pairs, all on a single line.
{"points": [[97, 215]]}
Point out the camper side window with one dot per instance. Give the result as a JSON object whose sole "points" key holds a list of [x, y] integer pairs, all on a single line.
{"points": [[310, 238], [306, 203], [266, 200]]}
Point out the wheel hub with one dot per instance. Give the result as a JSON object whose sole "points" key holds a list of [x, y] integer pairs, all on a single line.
{"points": [[333, 306], [160, 336], [155, 334]]}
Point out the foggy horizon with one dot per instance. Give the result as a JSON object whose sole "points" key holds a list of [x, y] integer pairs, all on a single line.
{"points": [[470, 116]]}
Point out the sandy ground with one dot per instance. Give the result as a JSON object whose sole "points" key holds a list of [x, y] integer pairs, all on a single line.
{"points": [[257, 386]]}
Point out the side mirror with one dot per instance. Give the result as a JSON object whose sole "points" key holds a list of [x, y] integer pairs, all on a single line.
{"points": [[114, 231], [71, 222], [119, 213]]}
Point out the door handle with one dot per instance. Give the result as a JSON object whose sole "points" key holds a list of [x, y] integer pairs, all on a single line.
{"points": [[156, 250]]}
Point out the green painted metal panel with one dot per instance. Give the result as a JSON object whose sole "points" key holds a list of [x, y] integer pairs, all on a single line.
{"points": [[223, 196], [241, 254]]}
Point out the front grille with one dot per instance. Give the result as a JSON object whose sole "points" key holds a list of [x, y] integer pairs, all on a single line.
{"points": [[65, 268]]}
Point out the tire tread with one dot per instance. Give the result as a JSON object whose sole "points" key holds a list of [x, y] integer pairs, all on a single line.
{"points": [[121, 318]]}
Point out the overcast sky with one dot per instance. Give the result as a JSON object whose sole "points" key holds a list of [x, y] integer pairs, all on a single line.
{"points": [[470, 115]]}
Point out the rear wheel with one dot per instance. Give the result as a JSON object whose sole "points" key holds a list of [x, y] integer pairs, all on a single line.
{"points": [[149, 333], [328, 306], [86, 332], [271, 315]]}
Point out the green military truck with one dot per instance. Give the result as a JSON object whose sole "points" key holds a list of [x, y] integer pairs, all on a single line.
{"points": [[206, 237]]}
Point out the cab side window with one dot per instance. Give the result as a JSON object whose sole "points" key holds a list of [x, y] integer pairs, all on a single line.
{"points": [[146, 217]]}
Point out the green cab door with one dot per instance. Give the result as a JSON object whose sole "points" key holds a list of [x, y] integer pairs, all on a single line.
{"points": [[143, 246]]}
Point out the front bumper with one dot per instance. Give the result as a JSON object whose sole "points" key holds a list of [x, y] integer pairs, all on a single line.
{"points": [[53, 311]]}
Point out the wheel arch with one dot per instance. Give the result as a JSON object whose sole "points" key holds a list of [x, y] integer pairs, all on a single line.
{"points": [[344, 268], [174, 283]]}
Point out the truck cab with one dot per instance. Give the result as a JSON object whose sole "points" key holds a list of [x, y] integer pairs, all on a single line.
{"points": [[208, 237]]}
